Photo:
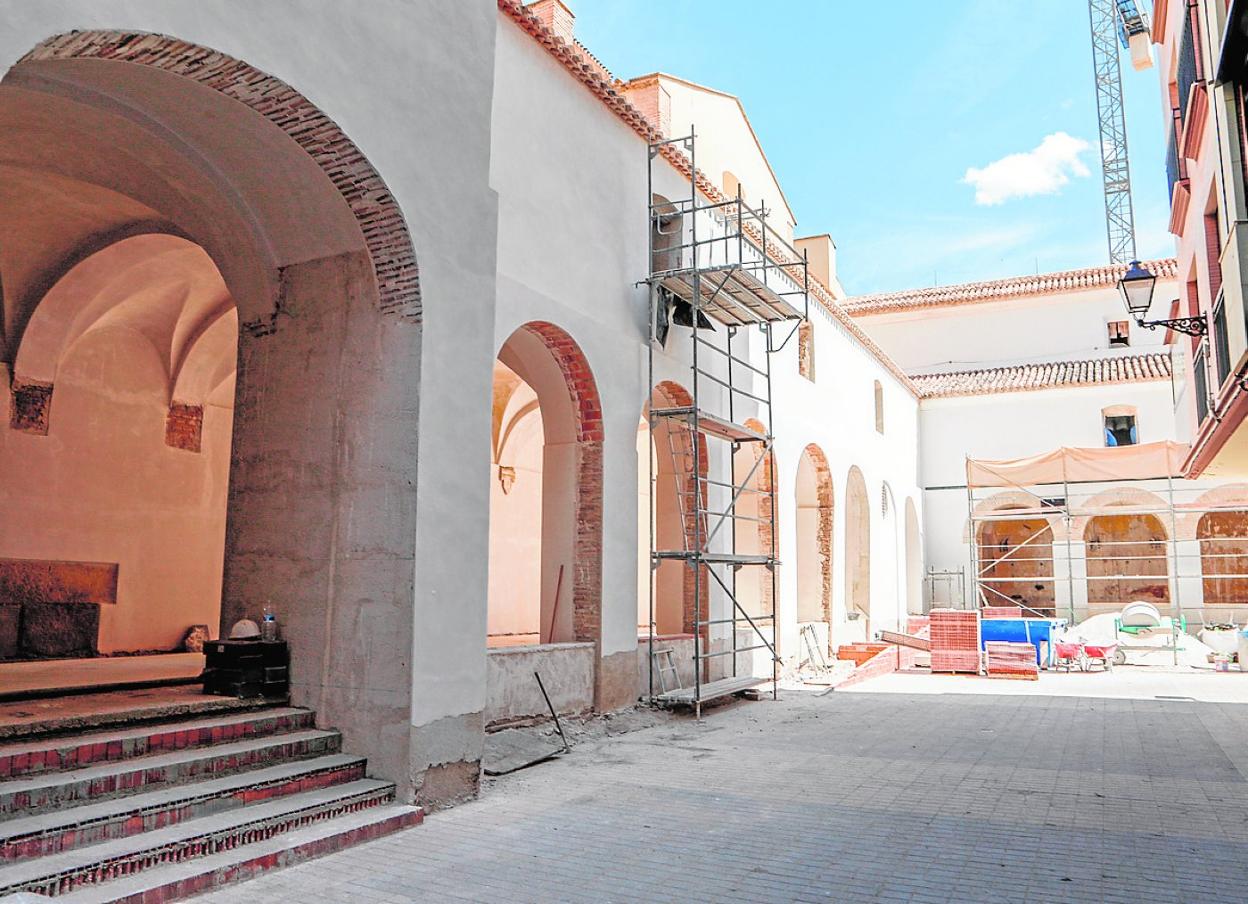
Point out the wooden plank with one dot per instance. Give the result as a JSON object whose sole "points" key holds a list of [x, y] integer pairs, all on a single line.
{"points": [[906, 640], [712, 690]]}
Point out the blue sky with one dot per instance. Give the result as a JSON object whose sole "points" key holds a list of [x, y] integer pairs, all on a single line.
{"points": [[873, 113]]}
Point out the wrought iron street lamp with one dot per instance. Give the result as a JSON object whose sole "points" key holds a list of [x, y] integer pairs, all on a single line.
{"points": [[1136, 287]]}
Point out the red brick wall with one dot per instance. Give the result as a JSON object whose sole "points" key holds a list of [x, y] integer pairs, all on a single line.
{"points": [[184, 426], [31, 407], [824, 500]]}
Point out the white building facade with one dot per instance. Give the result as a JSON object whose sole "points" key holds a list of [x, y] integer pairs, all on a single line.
{"points": [[1015, 368], [417, 234]]}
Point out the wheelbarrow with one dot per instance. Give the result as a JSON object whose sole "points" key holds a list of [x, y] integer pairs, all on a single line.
{"points": [[1068, 655], [1104, 653]]}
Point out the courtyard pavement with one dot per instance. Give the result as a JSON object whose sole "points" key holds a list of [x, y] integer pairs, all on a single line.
{"points": [[897, 791]]}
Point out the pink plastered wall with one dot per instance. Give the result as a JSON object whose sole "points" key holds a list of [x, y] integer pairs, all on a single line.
{"points": [[102, 486]]}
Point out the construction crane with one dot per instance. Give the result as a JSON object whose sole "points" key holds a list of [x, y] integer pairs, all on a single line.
{"points": [[1114, 23]]}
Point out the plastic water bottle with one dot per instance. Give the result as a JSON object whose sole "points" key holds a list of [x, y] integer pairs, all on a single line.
{"points": [[268, 625]]}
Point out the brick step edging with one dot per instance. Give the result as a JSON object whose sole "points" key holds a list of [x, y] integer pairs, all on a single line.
{"points": [[77, 752], [127, 822], [206, 844]]}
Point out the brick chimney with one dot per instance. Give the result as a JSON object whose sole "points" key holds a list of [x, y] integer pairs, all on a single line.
{"points": [[648, 95], [555, 16]]}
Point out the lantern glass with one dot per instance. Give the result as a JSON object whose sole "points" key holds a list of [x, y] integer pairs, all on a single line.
{"points": [[1136, 287]]}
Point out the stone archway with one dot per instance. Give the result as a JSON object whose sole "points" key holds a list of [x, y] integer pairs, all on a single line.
{"points": [[119, 134]]}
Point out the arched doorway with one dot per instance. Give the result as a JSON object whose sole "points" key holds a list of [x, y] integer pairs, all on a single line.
{"points": [[545, 568], [914, 560], [1126, 560], [544, 606], [1015, 562], [858, 552], [107, 136], [1223, 539], [815, 512]]}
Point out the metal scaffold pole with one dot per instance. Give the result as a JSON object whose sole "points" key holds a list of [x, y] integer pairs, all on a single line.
{"points": [[725, 268]]}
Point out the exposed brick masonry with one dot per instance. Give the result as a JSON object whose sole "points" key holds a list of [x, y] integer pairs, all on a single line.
{"points": [[375, 209], [31, 407], [184, 426]]}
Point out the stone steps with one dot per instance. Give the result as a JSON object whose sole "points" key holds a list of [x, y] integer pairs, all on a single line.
{"points": [[57, 874], [56, 754], [37, 719], [53, 832], [71, 787], [177, 799], [173, 881]]}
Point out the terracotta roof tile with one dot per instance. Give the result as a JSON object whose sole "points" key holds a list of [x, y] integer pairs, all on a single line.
{"points": [[999, 289], [1045, 375]]}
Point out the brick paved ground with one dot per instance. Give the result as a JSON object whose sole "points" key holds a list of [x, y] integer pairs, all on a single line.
{"points": [[851, 797]]}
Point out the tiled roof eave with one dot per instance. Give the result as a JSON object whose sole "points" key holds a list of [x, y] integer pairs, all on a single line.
{"points": [[1000, 289], [596, 78], [1147, 367]]}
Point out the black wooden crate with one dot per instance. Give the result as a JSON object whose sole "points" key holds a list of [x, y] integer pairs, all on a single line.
{"points": [[247, 668]]}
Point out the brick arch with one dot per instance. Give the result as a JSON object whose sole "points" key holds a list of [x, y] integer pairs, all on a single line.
{"points": [[1231, 496], [1128, 498], [375, 209], [1014, 499], [670, 394], [825, 507], [587, 417]]}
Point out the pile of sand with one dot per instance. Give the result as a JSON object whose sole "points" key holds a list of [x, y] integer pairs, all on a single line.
{"points": [[1100, 629]]}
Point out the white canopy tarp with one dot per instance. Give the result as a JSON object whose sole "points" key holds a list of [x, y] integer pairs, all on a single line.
{"points": [[1068, 464]]}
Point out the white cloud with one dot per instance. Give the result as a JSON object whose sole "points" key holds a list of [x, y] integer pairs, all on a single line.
{"points": [[1040, 171]]}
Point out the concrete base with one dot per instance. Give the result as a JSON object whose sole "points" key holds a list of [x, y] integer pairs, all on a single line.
{"points": [[513, 695], [617, 682], [446, 761]]}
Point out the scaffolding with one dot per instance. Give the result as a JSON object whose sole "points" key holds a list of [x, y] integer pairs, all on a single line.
{"points": [[718, 262], [1033, 545]]}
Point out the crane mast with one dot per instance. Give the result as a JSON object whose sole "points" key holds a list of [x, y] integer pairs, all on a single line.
{"points": [[1114, 23]]}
